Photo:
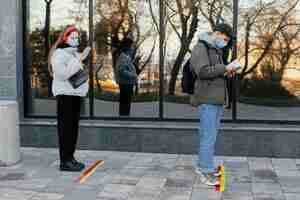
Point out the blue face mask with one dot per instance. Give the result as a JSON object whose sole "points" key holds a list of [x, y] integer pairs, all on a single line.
{"points": [[220, 43]]}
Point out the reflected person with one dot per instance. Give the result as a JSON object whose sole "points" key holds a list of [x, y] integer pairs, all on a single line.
{"points": [[126, 76]]}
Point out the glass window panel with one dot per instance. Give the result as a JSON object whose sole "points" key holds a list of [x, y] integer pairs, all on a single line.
{"points": [[181, 37], [269, 44], [114, 21], [46, 19]]}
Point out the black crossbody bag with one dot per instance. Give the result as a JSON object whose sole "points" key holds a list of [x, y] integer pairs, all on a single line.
{"points": [[79, 78]]}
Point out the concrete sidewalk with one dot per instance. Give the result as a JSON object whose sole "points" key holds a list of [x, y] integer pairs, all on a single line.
{"points": [[142, 176]]}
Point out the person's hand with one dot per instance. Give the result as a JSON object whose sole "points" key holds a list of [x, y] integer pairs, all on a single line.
{"points": [[230, 72], [85, 53], [234, 65]]}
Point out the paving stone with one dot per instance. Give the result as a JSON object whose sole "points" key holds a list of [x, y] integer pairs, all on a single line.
{"points": [[175, 194], [146, 176], [125, 180], [152, 183], [260, 163], [290, 184], [13, 176], [237, 177], [238, 187], [237, 196], [266, 188], [207, 194], [179, 183], [264, 175], [115, 191], [292, 196], [269, 197], [81, 193], [12, 194], [145, 194], [47, 196]]}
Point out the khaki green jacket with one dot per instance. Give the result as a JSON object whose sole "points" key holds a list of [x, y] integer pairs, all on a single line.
{"points": [[210, 82]]}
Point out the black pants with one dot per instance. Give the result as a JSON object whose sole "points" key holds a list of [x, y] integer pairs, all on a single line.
{"points": [[126, 92], [68, 113]]}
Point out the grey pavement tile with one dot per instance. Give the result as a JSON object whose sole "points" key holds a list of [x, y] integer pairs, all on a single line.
{"points": [[292, 196], [137, 171], [237, 196], [207, 194], [152, 183], [27, 184], [113, 164], [238, 188], [47, 196], [141, 161], [260, 163], [81, 193], [116, 191], [290, 184], [186, 160], [269, 197], [179, 183], [264, 175], [62, 184], [183, 174], [266, 188], [237, 177], [12, 194], [158, 171], [237, 172], [125, 180], [144, 194], [13, 176], [175, 194]]}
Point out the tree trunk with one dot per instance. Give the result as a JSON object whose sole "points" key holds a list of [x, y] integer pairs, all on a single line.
{"points": [[175, 69]]}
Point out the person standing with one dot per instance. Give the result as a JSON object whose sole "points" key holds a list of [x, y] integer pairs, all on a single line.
{"points": [[126, 76], [209, 95], [65, 61]]}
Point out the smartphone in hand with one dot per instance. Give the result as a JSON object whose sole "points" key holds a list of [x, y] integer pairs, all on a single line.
{"points": [[235, 65]]}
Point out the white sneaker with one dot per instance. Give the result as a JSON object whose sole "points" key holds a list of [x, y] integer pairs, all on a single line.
{"points": [[217, 173], [207, 178]]}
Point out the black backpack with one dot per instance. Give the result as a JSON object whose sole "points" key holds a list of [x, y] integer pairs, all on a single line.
{"points": [[188, 76]]}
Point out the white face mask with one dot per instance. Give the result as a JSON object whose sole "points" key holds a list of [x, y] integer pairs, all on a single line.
{"points": [[73, 39]]}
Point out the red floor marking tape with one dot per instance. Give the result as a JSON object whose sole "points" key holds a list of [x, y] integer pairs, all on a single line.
{"points": [[89, 171], [221, 187]]}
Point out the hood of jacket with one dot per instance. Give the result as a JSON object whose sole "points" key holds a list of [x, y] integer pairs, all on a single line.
{"points": [[208, 38]]}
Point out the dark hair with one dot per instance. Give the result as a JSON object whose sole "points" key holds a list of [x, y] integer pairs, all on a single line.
{"points": [[226, 29]]}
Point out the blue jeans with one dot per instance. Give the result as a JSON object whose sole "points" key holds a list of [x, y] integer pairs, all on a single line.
{"points": [[210, 119]]}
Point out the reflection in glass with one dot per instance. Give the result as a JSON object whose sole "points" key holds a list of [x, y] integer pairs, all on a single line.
{"points": [[114, 22], [269, 48], [185, 20], [46, 19]]}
